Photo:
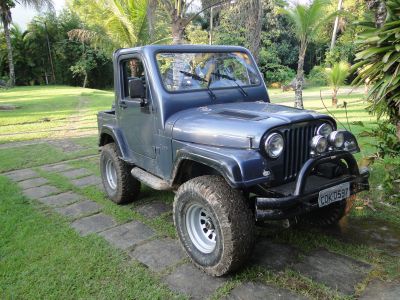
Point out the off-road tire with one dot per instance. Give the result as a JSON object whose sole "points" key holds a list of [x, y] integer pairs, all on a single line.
{"points": [[326, 216], [233, 221], [127, 187]]}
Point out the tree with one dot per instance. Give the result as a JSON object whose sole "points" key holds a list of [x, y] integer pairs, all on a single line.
{"points": [[336, 77], [379, 63], [306, 19], [116, 23], [6, 19]]}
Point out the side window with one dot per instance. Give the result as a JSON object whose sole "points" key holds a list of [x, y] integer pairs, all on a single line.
{"points": [[131, 68]]}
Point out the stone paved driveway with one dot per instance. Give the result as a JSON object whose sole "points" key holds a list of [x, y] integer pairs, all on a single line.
{"points": [[165, 258]]}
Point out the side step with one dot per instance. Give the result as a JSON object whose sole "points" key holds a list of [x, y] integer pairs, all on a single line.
{"points": [[150, 180]]}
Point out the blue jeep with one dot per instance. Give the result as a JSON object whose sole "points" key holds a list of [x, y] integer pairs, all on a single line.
{"points": [[197, 120]]}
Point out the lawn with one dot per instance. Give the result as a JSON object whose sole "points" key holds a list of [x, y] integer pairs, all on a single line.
{"points": [[41, 257]]}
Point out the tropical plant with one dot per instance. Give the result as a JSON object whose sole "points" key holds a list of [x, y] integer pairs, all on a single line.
{"points": [[306, 19], [379, 64], [6, 19], [116, 23], [336, 76]]}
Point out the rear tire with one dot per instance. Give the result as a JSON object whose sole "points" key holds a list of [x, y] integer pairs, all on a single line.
{"points": [[215, 226], [327, 216], [118, 182]]}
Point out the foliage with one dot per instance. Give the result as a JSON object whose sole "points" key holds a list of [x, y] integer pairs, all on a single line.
{"points": [[385, 140], [196, 35], [32, 53], [278, 73], [336, 76], [317, 76], [379, 64], [387, 148]]}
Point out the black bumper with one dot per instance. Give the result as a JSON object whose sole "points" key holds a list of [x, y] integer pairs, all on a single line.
{"points": [[302, 200]]}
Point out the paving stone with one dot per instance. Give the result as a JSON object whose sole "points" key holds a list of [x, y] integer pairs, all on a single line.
{"points": [[154, 209], [93, 224], [128, 235], [41, 191], [159, 254], [86, 181], [189, 280], [273, 255], [33, 182], [337, 271], [79, 209], [57, 168], [20, 175], [259, 291], [376, 233], [379, 290], [66, 145], [61, 199], [75, 173]]}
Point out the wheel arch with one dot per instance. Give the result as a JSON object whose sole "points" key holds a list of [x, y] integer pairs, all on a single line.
{"points": [[111, 135], [191, 163]]}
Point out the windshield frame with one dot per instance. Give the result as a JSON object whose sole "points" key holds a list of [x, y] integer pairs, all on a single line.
{"points": [[235, 87]]}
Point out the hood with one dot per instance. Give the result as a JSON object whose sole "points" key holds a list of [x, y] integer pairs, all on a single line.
{"points": [[236, 125]]}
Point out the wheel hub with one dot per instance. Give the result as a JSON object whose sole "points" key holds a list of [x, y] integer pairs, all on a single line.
{"points": [[201, 229], [111, 174]]}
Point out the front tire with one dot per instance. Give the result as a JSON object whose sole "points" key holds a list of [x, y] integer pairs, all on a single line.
{"points": [[118, 183], [214, 224]]}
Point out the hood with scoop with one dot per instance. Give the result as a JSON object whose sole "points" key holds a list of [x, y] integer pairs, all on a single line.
{"points": [[234, 125]]}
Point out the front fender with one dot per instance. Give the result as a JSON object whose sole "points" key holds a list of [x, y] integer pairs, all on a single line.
{"points": [[240, 167]]}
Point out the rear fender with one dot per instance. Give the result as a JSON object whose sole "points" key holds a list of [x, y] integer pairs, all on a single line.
{"points": [[117, 137]]}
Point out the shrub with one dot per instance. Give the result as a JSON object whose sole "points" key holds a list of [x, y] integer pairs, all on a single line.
{"points": [[278, 73], [317, 77]]}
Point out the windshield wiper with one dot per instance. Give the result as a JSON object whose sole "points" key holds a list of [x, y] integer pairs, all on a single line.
{"points": [[199, 78], [224, 76]]}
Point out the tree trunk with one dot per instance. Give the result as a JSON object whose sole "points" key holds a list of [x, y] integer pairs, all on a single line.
{"points": [[9, 51], [177, 30], [380, 10], [85, 80], [298, 100], [334, 98], [254, 26]]}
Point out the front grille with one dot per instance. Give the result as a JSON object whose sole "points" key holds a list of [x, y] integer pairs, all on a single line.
{"points": [[297, 148]]}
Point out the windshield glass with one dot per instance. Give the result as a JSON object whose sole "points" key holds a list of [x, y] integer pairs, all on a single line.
{"points": [[193, 71]]}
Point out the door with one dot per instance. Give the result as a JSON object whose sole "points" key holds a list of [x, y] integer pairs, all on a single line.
{"points": [[136, 120]]}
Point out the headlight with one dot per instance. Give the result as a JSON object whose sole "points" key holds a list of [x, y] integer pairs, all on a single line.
{"points": [[319, 144], [324, 130], [336, 139], [274, 145]]}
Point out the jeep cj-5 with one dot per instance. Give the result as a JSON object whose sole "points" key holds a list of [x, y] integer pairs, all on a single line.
{"points": [[197, 120]]}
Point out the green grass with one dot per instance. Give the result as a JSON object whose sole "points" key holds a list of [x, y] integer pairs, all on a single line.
{"points": [[46, 112], [41, 257], [35, 155]]}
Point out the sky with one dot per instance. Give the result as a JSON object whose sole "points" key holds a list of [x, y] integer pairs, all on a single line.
{"points": [[22, 15]]}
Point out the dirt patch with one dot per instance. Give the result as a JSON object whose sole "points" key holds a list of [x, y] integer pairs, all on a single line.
{"points": [[9, 107]]}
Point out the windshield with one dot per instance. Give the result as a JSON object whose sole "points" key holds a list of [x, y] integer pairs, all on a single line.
{"points": [[193, 71]]}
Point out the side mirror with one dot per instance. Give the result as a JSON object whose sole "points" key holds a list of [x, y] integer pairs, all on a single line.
{"points": [[136, 89]]}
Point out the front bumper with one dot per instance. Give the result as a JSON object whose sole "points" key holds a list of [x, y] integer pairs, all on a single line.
{"points": [[304, 198]]}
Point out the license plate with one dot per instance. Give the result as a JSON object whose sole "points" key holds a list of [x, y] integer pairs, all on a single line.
{"points": [[333, 194]]}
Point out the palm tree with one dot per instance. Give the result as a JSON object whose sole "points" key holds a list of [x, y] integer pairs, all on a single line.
{"points": [[6, 19], [307, 19], [336, 77]]}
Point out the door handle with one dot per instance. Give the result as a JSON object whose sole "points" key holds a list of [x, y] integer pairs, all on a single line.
{"points": [[123, 104]]}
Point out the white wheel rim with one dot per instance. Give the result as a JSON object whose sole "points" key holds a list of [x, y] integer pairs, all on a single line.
{"points": [[201, 228], [111, 174]]}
